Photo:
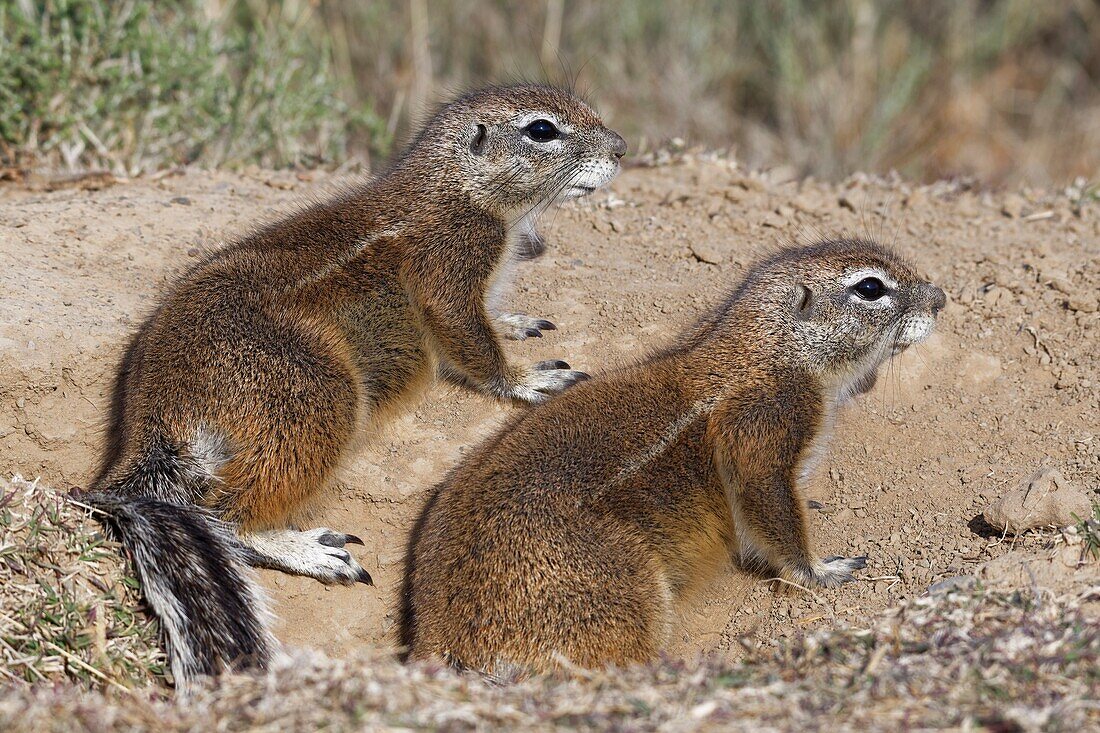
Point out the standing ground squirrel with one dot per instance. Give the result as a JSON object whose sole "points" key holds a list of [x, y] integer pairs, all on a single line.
{"points": [[240, 395], [574, 531]]}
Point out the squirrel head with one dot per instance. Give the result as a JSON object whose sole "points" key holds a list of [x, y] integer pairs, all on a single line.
{"points": [[520, 148], [842, 308]]}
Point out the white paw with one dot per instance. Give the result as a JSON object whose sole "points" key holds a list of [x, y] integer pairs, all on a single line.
{"points": [[332, 563], [318, 553], [546, 378], [833, 571], [520, 326]]}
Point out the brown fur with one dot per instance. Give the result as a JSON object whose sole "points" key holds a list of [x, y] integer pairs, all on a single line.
{"points": [[265, 360], [574, 532]]}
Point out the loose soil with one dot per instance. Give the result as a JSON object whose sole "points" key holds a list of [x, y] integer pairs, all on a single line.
{"points": [[1008, 384]]}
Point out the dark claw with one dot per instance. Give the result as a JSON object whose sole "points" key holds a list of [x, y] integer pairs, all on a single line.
{"points": [[859, 562], [364, 577], [331, 539], [582, 376], [533, 333], [544, 366], [546, 326], [353, 540], [815, 504]]}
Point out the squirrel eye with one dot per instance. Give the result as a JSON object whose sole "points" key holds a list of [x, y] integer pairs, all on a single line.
{"points": [[541, 131], [869, 288]]}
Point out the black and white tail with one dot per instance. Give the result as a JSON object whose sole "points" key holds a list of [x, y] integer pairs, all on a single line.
{"points": [[193, 573]]}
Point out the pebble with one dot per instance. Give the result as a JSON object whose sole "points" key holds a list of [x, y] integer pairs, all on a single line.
{"points": [[1083, 302], [705, 251], [1013, 206], [955, 582]]}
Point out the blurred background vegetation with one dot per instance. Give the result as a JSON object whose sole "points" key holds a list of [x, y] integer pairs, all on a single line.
{"points": [[1005, 90]]}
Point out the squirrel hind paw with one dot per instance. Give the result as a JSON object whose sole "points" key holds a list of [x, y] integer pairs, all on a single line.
{"points": [[316, 553], [553, 377], [836, 570], [330, 562]]}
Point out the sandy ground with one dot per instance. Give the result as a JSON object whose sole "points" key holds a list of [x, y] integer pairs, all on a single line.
{"points": [[1010, 382]]}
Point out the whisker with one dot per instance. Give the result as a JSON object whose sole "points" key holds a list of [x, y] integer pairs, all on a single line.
{"points": [[557, 182]]}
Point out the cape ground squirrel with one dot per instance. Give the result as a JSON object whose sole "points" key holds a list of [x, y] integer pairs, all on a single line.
{"points": [[576, 529], [242, 392]]}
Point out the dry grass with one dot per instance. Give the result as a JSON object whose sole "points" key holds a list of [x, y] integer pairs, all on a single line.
{"points": [[68, 613], [961, 659], [1006, 90]]}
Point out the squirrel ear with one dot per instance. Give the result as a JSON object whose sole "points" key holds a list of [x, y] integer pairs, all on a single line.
{"points": [[477, 145], [803, 302]]}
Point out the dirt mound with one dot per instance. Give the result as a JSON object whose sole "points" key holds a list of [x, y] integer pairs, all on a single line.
{"points": [[1009, 384]]}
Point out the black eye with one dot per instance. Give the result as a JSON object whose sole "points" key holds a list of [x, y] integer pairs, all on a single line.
{"points": [[541, 131], [869, 288]]}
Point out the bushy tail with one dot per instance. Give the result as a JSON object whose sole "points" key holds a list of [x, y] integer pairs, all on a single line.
{"points": [[193, 574]]}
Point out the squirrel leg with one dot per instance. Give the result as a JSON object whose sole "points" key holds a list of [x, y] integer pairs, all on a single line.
{"points": [[757, 457], [474, 357], [771, 527]]}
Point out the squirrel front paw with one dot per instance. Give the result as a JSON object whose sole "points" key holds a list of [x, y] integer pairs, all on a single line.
{"points": [[544, 379]]}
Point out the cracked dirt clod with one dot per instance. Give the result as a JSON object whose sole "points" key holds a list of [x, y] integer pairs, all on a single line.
{"points": [[1045, 499]]}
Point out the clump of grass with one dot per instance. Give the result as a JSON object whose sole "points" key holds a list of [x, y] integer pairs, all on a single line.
{"points": [[1088, 529], [68, 611], [1082, 193], [135, 85]]}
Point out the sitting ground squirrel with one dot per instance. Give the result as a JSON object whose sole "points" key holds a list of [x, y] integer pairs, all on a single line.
{"points": [[571, 534], [240, 395]]}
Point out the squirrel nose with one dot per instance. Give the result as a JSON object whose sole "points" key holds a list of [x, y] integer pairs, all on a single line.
{"points": [[618, 145], [938, 299]]}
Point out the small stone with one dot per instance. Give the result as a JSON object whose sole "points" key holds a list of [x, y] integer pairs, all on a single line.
{"points": [[1067, 378], [917, 197], [1013, 206], [953, 583], [1062, 285], [996, 296], [1043, 499], [979, 368], [181, 200], [1083, 302], [806, 204], [706, 252]]}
